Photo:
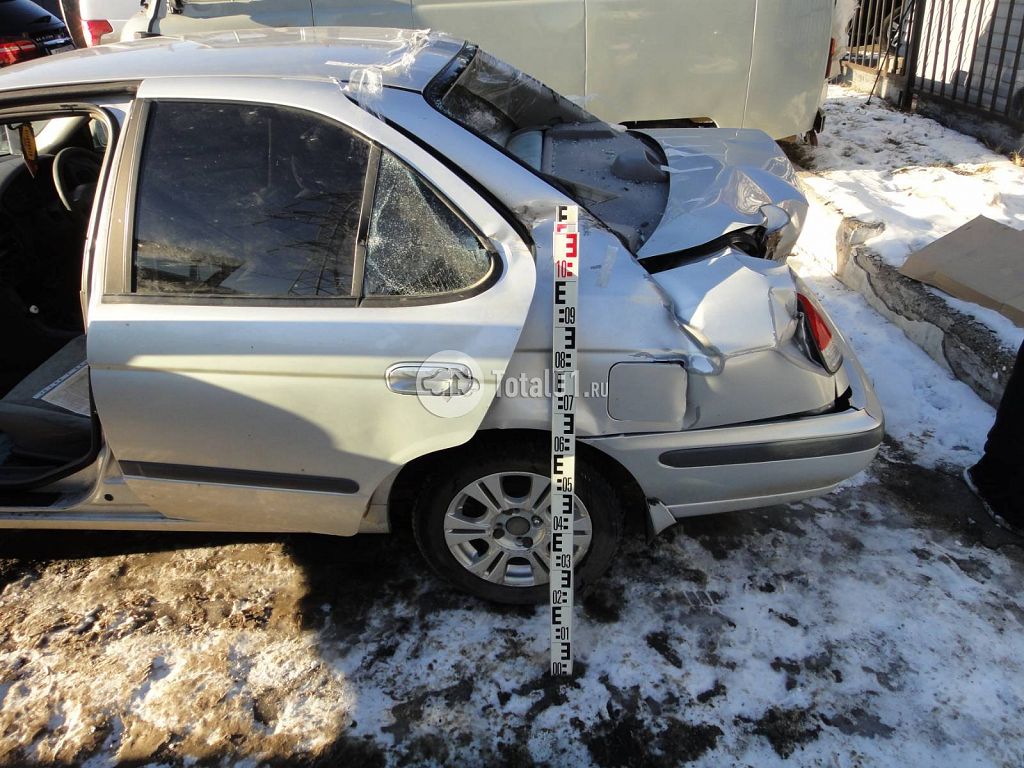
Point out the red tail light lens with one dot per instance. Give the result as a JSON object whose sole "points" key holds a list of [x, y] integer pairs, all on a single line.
{"points": [[95, 29], [821, 333], [13, 51]]}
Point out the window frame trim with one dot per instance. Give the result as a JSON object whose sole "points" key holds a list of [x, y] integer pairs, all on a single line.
{"points": [[122, 288], [495, 268], [118, 283]]}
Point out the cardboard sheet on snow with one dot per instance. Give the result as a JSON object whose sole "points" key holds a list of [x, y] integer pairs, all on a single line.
{"points": [[981, 262]]}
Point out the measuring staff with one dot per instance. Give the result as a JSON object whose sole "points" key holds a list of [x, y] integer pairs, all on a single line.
{"points": [[565, 248]]}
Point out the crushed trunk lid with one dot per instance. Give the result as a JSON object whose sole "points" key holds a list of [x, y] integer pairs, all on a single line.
{"points": [[723, 181]]}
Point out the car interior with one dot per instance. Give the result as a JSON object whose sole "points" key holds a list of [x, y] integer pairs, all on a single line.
{"points": [[46, 420]]}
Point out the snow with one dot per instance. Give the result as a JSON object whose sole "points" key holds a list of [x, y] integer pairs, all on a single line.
{"points": [[919, 178], [937, 419], [865, 625]]}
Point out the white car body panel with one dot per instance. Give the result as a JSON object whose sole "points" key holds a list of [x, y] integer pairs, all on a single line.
{"points": [[116, 12], [788, 64], [666, 59]]}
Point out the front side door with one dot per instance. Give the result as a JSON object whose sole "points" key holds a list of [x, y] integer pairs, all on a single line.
{"points": [[287, 283]]}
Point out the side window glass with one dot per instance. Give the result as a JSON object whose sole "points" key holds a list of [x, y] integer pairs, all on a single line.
{"points": [[243, 200], [417, 245]]}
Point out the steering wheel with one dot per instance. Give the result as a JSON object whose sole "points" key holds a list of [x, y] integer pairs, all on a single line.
{"points": [[73, 167]]}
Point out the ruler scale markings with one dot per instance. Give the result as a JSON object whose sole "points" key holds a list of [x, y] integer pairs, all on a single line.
{"points": [[565, 299]]}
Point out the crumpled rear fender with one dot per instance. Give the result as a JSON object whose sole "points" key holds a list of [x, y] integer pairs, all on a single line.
{"points": [[727, 322]]}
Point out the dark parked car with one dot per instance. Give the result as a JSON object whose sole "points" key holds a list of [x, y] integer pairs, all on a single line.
{"points": [[28, 31]]}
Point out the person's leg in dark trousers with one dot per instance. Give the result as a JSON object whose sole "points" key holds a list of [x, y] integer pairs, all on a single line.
{"points": [[998, 478]]}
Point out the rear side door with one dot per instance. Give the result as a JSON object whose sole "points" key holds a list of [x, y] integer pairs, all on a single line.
{"points": [[285, 277], [667, 59], [544, 38]]}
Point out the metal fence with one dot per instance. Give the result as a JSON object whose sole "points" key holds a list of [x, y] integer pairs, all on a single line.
{"points": [[966, 53], [971, 55], [878, 35]]}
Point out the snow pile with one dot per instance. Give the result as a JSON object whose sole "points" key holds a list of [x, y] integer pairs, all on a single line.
{"points": [[920, 179], [938, 419]]}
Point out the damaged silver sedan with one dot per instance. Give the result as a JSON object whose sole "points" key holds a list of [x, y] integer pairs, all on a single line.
{"points": [[316, 278]]}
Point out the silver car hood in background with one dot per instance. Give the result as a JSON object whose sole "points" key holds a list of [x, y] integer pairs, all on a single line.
{"points": [[719, 179]]}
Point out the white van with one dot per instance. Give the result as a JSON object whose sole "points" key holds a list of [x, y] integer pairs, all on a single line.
{"points": [[736, 63]]}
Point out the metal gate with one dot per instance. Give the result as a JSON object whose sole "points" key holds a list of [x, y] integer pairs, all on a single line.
{"points": [[966, 53]]}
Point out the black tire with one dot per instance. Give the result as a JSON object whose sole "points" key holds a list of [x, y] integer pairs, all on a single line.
{"points": [[461, 468]]}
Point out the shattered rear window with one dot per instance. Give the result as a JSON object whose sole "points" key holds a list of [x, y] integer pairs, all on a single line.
{"points": [[494, 99], [617, 175], [417, 245]]}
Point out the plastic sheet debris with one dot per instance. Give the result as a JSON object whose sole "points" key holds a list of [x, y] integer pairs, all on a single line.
{"points": [[366, 83]]}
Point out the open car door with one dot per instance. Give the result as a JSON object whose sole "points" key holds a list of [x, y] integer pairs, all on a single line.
{"points": [[287, 277]]}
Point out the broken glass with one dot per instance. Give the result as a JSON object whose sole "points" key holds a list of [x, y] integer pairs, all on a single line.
{"points": [[616, 175], [417, 245]]}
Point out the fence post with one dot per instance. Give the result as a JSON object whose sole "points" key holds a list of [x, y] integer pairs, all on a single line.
{"points": [[907, 97]]}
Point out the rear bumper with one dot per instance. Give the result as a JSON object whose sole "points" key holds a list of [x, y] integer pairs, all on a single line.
{"points": [[755, 465]]}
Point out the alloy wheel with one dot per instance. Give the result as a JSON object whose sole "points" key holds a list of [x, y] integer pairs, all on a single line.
{"points": [[498, 528]]}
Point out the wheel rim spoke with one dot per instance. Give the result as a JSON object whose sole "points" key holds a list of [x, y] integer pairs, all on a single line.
{"points": [[458, 521], [461, 536], [582, 527], [540, 488], [492, 565], [488, 493]]}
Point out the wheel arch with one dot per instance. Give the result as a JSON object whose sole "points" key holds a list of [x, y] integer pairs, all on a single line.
{"points": [[410, 478]]}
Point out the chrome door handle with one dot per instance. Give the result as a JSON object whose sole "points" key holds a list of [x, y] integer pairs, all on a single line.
{"points": [[431, 379]]}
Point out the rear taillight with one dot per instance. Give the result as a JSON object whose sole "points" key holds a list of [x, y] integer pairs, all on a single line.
{"points": [[13, 51], [831, 55], [95, 29], [828, 351]]}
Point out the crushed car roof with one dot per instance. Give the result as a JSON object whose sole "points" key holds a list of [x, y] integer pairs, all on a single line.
{"points": [[404, 58]]}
